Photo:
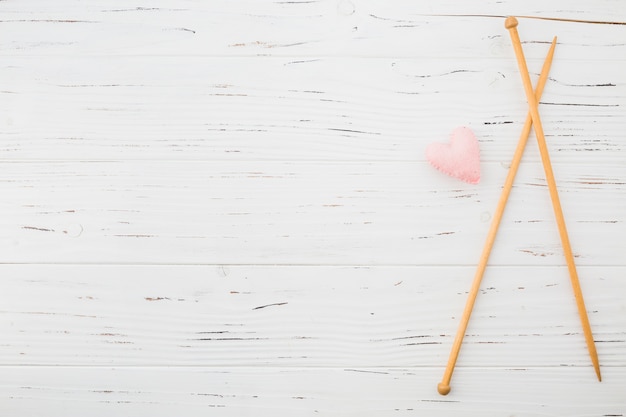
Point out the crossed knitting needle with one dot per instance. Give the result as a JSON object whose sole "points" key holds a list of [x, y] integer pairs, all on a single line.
{"points": [[533, 120]]}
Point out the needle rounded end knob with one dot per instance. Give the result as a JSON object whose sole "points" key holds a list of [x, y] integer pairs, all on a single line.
{"points": [[444, 389], [510, 22]]}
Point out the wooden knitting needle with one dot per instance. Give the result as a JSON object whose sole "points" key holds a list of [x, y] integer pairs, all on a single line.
{"points": [[511, 25], [444, 385]]}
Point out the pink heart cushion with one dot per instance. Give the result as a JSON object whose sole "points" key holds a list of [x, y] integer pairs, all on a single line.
{"points": [[460, 158]]}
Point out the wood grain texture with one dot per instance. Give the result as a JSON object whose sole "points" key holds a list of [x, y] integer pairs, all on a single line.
{"points": [[305, 29], [299, 213], [224, 208], [224, 391], [208, 108], [310, 316]]}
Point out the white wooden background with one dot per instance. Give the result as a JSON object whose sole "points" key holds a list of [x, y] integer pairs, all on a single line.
{"points": [[223, 208]]}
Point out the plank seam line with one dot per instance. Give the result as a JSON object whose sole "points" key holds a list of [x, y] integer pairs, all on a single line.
{"points": [[558, 19], [296, 265]]}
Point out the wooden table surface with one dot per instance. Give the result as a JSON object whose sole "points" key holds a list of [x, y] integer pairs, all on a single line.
{"points": [[223, 208]]}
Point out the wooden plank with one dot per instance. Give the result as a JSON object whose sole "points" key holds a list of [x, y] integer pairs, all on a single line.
{"points": [[223, 208], [326, 28], [62, 391], [195, 108], [221, 316], [300, 213]]}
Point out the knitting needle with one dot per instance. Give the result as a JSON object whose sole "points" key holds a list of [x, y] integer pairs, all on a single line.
{"points": [[511, 25], [444, 386]]}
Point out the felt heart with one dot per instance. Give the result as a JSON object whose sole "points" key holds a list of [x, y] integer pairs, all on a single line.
{"points": [[460, 158]]}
